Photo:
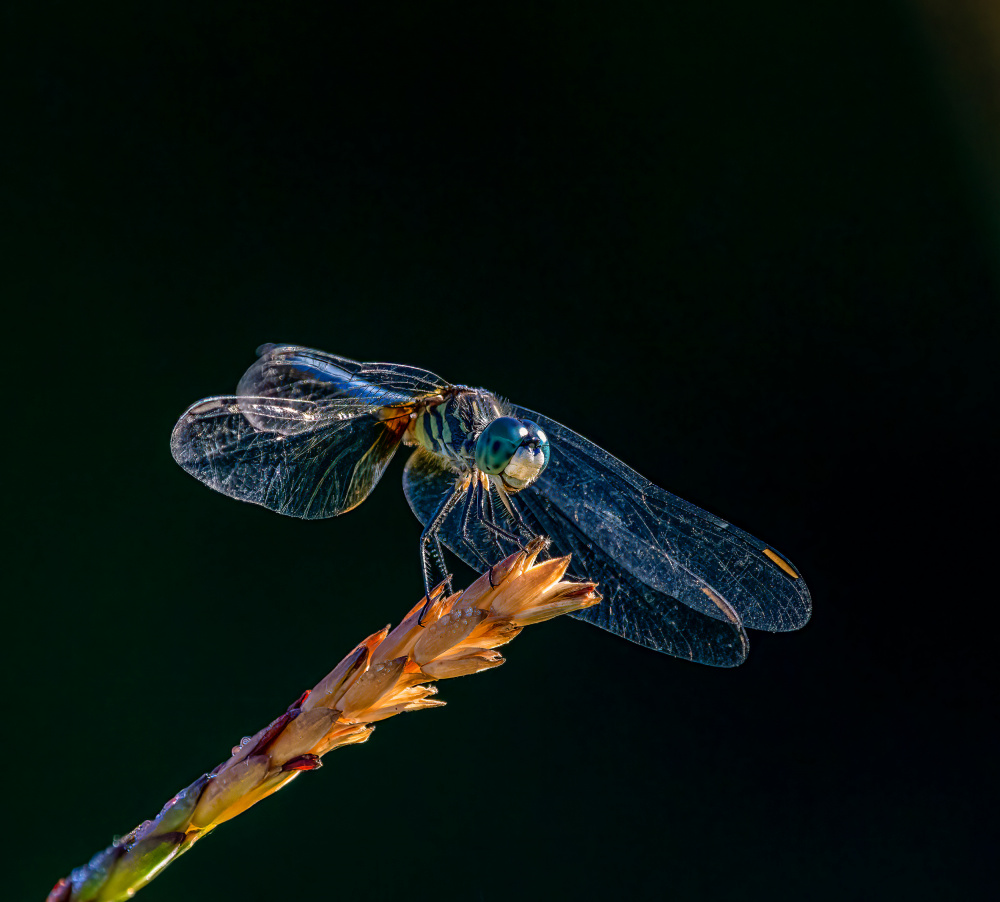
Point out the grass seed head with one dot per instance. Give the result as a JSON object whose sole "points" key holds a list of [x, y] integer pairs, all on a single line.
{"points": [[387, 674]]}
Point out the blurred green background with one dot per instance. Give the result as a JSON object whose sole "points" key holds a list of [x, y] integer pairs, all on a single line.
{"points": [[748, 248]]}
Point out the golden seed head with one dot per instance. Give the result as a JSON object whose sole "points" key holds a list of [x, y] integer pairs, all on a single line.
{"points": [[387, 674]]}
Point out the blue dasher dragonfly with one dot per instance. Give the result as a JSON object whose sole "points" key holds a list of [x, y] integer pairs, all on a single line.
{"points": [[309, 434]]}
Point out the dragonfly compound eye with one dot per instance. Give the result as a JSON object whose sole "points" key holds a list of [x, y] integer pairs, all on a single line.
{"points": [[516, 450], [497, 444]]}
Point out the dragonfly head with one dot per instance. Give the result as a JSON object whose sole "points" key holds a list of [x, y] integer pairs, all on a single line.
{"points": [[514, 450]]}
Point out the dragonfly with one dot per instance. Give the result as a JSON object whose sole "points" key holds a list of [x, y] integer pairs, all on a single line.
{"points": [[309, 434]]}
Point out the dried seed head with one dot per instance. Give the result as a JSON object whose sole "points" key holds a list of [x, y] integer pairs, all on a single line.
{"points": [[385, 675], [344, 734], [399, 707], [481, 593], [301, 735], [329, 690], [401, 639], [260, 741], [569, 597], [492, 634], [227, 788], [478, 593], [530, 589], [444, 634], [509, 568], [370, 687], [275, 779], [463, 665], [303, 762]]}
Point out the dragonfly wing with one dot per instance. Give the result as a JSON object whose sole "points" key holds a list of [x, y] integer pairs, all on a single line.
{"points": [[343, 387], [630, 608], [306, 463], [308, 434], [649, 535]]}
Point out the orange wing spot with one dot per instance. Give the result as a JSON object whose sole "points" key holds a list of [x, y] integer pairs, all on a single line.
{"points": [[723, 606], [781, 562], [398, 412]]}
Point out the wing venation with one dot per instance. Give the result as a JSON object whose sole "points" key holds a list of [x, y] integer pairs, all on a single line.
{"points": [[629, 608], [663, 541], [302, 435]]}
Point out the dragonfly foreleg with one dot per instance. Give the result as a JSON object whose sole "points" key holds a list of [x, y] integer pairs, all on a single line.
{"points": [[476, 494], [481, 517], [470, 495], [437, 554], [515, 514], [430, 534], [490, 522]]}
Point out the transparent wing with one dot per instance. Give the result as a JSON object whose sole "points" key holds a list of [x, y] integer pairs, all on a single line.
{"points": [[589, 502], [338, 388], [320, 472], [308, 434], [631, 608]]}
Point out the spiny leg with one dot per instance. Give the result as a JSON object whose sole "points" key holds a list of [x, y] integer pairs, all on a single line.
{"points": [[519, 524], [486, 517], [466, 516], [430, 534], [437, 555], [477, 495], [436, 552], [498, 531]]}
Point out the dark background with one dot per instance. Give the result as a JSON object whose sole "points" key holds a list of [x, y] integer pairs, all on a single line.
{"points": [[743, 246]]}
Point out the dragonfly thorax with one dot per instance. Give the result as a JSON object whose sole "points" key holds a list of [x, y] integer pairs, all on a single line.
{"points": [[449, 425], [467, 428]]}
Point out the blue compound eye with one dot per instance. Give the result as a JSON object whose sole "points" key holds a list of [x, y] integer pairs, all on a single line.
{"points": [[515, 450], [536, 438], [497, 444]]}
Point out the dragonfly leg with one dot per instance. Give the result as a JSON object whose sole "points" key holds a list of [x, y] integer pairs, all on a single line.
{"points": [[426, 555], [484, 516], [470, 495], [477, 495], [437, 554], [490, 522], [480, 515], [519, 524]]}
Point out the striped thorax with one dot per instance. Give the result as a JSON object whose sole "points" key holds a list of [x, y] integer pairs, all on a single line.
{"points": [[471, 430], [448, 425]]}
